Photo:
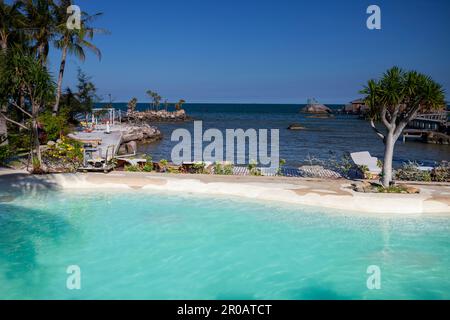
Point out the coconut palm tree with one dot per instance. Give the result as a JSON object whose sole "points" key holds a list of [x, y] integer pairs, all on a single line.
{"points": [[395, 100], [179, 105], [11, 21], [72, 41], [41, 25], [156, 99], [131, 107]]}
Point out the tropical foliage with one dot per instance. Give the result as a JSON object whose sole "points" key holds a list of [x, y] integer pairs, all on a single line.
{"points": [[395, 100], [29, 29]]}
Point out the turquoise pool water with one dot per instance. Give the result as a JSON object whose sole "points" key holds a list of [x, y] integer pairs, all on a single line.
{"points": [[140, 245]]}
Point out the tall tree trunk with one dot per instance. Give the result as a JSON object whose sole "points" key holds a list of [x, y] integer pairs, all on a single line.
{"points": [[4, 42], [41, 55], [3, 125], [3, 131], [389, 145], [60, 80], [36, 142]]}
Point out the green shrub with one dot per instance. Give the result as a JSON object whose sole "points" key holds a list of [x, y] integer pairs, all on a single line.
{"points": [[344, 166], [19, 141], [54, 126], [198, 168], [66, 155], [163, 163], [253, 168], [441, 173], [282, 164], [223, 169], [132, 168], [5, 153], [410, 172], [174, 170], [148, 167], [37, 166], [228, 169], [393, 189], [218, 168]]}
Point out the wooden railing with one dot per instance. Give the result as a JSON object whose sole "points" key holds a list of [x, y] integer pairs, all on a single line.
{"points": [[441, 117]]}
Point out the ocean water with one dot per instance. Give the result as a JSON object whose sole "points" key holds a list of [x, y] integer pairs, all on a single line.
{"points": [[142, 245], [323, 139]]}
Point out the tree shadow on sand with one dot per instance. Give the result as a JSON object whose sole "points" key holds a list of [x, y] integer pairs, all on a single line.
{"points": [[17, 184]]}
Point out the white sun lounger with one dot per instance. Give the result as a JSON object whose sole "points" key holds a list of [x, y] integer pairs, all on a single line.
{"points": [[365, 159]]}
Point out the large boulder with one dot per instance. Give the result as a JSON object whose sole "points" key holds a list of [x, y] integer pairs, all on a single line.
{"points": [[316, 109], [141, 133]]}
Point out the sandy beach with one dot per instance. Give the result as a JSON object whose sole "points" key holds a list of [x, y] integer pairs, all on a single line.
{"points": [[333, 194]]}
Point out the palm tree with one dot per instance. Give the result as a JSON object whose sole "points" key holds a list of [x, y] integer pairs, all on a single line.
{"points": [[73, 41], [21, 72], [41, 25], [396, 99], [131, 107], [156, 98], [179, 105], [11, 20]]}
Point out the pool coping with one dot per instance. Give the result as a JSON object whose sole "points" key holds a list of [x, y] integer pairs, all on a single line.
{"points": [[331, 194]]}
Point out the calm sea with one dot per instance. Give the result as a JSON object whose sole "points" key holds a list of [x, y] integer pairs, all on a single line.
{"points": [[322, 139]]}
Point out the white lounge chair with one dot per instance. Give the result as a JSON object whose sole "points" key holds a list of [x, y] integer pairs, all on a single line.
{"points": [[365, 159]]}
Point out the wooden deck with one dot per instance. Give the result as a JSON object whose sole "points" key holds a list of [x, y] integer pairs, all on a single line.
{"points": [[111, 141], [105, 147]]}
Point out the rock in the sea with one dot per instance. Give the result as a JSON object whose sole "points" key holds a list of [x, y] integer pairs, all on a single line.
{"points": [[151, 115], [296, 126], [316, 108]]}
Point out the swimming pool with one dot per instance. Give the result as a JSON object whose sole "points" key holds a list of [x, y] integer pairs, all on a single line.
{"points": [[145, 245]]}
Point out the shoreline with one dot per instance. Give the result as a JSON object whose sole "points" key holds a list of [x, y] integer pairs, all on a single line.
{"points": [[434, 200]]}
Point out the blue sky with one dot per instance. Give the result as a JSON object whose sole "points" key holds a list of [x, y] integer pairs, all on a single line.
{"points": [[257, 51]]}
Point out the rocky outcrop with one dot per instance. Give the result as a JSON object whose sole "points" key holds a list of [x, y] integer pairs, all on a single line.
{"points": [[437, 138], [316, 109], [156, 116], [140, 133], [134, 134], [295, 127], [128, 148]]}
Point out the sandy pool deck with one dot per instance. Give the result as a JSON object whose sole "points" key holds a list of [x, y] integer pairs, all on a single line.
{"points": [[333, 194]]}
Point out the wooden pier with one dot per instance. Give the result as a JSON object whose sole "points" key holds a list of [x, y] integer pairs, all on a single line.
{"points": [[430, 128], [100, 149]]}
